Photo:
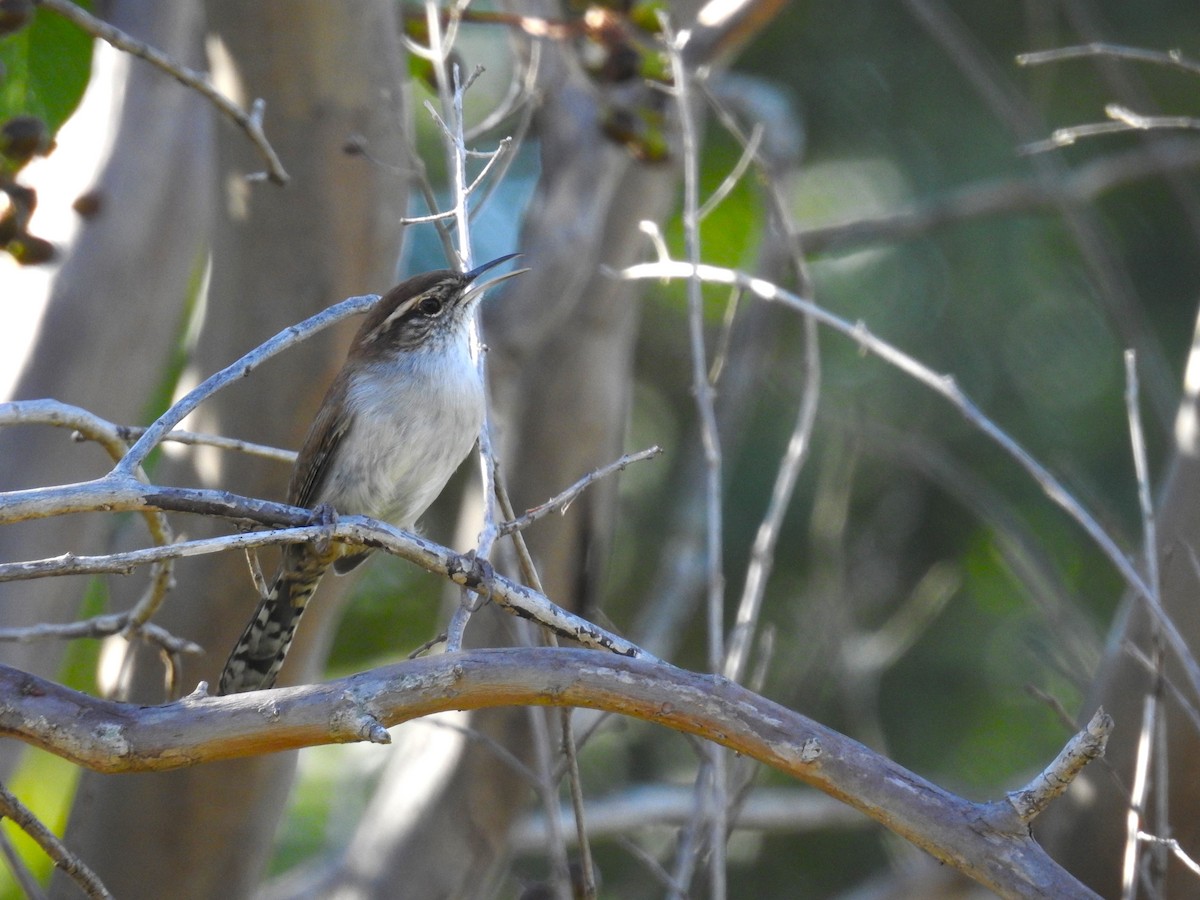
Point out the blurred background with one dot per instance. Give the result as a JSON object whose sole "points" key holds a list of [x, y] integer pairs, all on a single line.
{"points": [[927, 598]]}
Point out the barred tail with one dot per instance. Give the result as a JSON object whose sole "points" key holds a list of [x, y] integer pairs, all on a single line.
{"points": [[259, 653]]}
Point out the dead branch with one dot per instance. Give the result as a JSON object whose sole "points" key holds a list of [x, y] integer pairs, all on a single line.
{"points": [[249, 122], [989, 842]]}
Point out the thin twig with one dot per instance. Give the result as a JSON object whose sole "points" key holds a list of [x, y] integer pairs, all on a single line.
{"points": [[946, 387], [13, 809], [20, 872], [570, 748], [112, 438], [1141, 471], [1124, 120], [291, 335], [1139, 790], [652, 865], [443, 216], [725, 188], [716, 799], [256, 573], [503, 150], [1155, 670], [1150, 741], [1172, 58], [547, 793], [725, 339], [561, 502], [249, 122], [1172, 845], [1084, 747], [101, 627], [358, 531], [220, 442], [763, 551]]}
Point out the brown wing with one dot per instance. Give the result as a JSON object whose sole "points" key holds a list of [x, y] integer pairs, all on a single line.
{"points": [[320, 448]]}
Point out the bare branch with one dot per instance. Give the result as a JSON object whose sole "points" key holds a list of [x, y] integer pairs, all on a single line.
{"points": [[109, 436], [118, 737], [945, 386], [1141, 470], [220, 442], [1172, 845], [560, 503], [464, 570], [569, 746], [769, 809], [725, 188], [19, 871], [1173, 58], [1080, 185], [13, 809], [1084, 747], [1139, 792], [101, 627], [715, 797], [249, 122], [240, 369], [1124, 120]]}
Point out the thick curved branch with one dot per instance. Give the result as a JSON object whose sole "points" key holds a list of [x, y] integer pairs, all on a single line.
{"points": [[989, 842]]}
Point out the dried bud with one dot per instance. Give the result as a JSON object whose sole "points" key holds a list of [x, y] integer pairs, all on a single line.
{"points": [[23, 137], [9, 226], [89, 203], [14, 15], [29, 250]]}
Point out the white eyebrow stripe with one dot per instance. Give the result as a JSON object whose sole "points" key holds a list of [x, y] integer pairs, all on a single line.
{"points": [[400, 311]]}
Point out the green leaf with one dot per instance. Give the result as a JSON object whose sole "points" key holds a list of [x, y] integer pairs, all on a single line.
{"points": [[46, 68]]}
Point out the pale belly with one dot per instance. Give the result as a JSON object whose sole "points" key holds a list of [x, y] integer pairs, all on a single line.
{"points": [[405, 442]]}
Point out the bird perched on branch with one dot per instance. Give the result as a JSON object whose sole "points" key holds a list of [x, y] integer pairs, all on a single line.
{"points": [[399, 418]]}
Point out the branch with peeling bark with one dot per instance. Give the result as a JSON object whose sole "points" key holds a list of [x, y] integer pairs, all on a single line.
{"points": [[990, 842]]}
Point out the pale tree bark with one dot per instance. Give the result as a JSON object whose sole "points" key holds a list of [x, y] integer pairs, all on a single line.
{"points": [[110, 286], [278, 255]]}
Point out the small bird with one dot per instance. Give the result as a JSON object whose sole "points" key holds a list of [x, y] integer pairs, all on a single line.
{"points": [[399, 418]]}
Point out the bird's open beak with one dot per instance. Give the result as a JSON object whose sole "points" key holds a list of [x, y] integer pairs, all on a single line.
{"points": [[477, 289]]}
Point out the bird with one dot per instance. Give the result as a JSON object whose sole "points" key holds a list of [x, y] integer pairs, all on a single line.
{"points": [[396, 422]]}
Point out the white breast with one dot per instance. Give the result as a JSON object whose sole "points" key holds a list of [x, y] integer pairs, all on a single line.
{"points": [[413, 423]]}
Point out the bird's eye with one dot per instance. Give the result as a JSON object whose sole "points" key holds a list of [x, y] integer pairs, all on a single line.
{"points": [[431, 306]]}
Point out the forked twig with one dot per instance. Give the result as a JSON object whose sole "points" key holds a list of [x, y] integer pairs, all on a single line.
{"points": [[946, 387], [249, 122], [561, 502]]}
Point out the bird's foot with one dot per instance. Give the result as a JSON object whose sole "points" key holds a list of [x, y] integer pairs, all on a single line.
{"points": [[326, 516], [474, 573]]}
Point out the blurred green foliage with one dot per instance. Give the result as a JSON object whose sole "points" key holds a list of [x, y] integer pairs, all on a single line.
{"points": [[1007, 304], [899, 492], [46, 68], [898, 488]]}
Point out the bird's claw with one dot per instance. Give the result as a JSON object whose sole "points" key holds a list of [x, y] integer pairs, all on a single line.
{"points": [[326, 516], [474, 573]]}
